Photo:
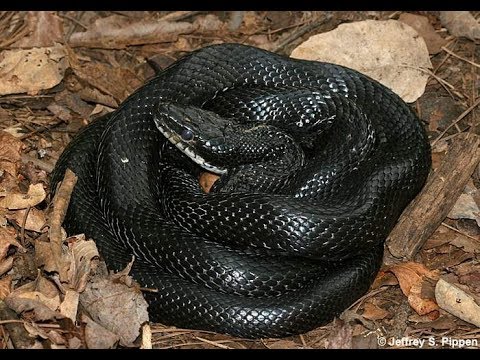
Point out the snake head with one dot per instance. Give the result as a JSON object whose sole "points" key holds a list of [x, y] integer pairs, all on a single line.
{"points": [[198, 133]]}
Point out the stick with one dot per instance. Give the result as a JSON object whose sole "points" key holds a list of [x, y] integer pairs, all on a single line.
{"points": [[427, 211], [60, 206]]}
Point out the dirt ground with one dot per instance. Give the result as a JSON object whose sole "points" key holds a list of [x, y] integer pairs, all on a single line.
{"points": [[70, 67]]}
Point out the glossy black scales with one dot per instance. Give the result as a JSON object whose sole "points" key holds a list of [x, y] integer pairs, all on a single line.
{"points": [[318, 161]]}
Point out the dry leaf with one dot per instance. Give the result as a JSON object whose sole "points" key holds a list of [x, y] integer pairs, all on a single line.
{"points": [[457, 302], [13, 200], [465, 208], [40, 296], [461, 23], [414, 280], [6, 265], [10, 156], [5, 286], [44, 257], [83, 254], [69, 305], [423, 27], [284, 344], [113, 305], [35, 219], [46, 29], [117, 82], [384, 278], [118, 32], [31, 70], [207, 180], [373, 312], [388, 51], [97, 337], [468, 245], [7, 239], [340, 337]]}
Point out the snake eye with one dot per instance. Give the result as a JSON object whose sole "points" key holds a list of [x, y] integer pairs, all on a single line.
{"points": [[186, 135]]}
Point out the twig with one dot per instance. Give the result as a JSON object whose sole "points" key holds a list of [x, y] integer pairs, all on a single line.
{"points": [[459, 57], [427, 211], [458, 231], [300, 32], [462, 115], [72, 19], [213, 343], [60, 206], [41, 164], [24, 222]]}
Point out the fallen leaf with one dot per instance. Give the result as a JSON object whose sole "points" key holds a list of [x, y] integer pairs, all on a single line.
{"points": [[415, 280], [46, 29], [208, 23], [98, 337], [69, 305], [388, 51], [207, 180], [340, 336], [118, 32], [284, 344], [457, 302], [468, 245], [117, 82], [83, 254], [44, 257], [373, 312], [114, 304], [7, 239], [40, 296], [422, 26], [384, 278], [35, 219], [5, 286], [6, 265], [30, 71], [34, 196], [54, 336], [10, 156], [465, 208], [461, 23]]}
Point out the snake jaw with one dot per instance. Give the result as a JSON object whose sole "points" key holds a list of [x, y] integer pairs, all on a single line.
{"points": [[176, 140]]}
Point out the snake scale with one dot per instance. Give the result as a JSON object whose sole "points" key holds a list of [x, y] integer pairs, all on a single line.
{"points": [[316, 164]]}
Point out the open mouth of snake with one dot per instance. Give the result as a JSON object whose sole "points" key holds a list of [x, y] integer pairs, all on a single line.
{"points": [[176, 140]]}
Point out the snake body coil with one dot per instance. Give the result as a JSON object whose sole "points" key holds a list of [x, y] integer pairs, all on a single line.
{"points": [[318, 161]]}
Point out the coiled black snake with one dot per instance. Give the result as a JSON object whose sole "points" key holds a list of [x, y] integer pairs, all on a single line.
{"points": [[318, 161]]}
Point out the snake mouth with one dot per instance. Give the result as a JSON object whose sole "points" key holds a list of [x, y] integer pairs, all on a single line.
{"points": [[188, 150]]}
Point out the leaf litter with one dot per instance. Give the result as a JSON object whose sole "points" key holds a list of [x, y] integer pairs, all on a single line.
{"points": [[59, 288]]}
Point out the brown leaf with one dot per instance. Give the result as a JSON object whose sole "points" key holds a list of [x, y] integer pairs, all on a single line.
{"points": [[461, 23], [69, 305], [207, 180], [115, 81], [10, 156], [83, 254], [30, 71], [284, 344], [340, 337], [46, 29], [97, 337], [112, 305], [7, 239], [457, 302], [6, 265], [35, 219], [373, 312], [384, 278], [425, 30], [40, 296], [388, 51], [45, 257], [118, 32], [14, 200], [414, 280], [5, 286], [465, 208]]}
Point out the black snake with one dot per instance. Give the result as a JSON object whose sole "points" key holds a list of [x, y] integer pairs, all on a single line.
{"points": [[317, 160]]}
